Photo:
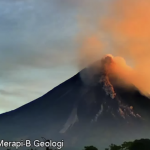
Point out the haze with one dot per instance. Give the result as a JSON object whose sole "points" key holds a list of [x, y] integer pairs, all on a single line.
{"points": [[43, 43]]}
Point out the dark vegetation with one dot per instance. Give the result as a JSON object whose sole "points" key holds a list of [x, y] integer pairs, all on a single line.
{"points": [[142, 144]]}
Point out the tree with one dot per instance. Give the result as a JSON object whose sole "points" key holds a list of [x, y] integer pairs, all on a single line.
{"points": [[142, 144], [126, 145], [115, 147], [90, 148]]}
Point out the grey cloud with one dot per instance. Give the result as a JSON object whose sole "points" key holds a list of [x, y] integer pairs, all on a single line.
{"points": [[35, 34], [38, 33], [18, 92], [6, 92]]}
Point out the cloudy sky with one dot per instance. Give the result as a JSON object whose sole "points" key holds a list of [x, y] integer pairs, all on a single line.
{"points": [[37, 48]]}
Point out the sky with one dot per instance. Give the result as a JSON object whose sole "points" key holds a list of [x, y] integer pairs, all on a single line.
{"points": [[45, 42], [37, 48]]}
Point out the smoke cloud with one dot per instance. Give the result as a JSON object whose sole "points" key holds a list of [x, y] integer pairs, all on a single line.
{"points": [[123, 31]]}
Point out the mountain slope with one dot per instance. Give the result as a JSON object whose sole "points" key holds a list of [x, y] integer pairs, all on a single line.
{"points": [[81, 112]]}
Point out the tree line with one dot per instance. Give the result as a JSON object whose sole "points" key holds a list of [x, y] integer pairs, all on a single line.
{"points": [[142, 144]]}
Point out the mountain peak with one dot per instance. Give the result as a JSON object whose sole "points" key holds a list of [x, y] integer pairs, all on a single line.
{"points": [[86, 108]]}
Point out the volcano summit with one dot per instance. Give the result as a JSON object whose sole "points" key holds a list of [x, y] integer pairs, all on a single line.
{"points": [[87, 109]]}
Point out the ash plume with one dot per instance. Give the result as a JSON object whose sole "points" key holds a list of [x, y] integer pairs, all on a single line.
{"points": [[124, 32]]}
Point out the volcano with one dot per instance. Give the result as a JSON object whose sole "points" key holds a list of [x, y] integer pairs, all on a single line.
{"points": [[87, 109]]}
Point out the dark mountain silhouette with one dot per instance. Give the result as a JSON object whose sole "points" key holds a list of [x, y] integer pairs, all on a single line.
{"points": [[86, 109]]}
